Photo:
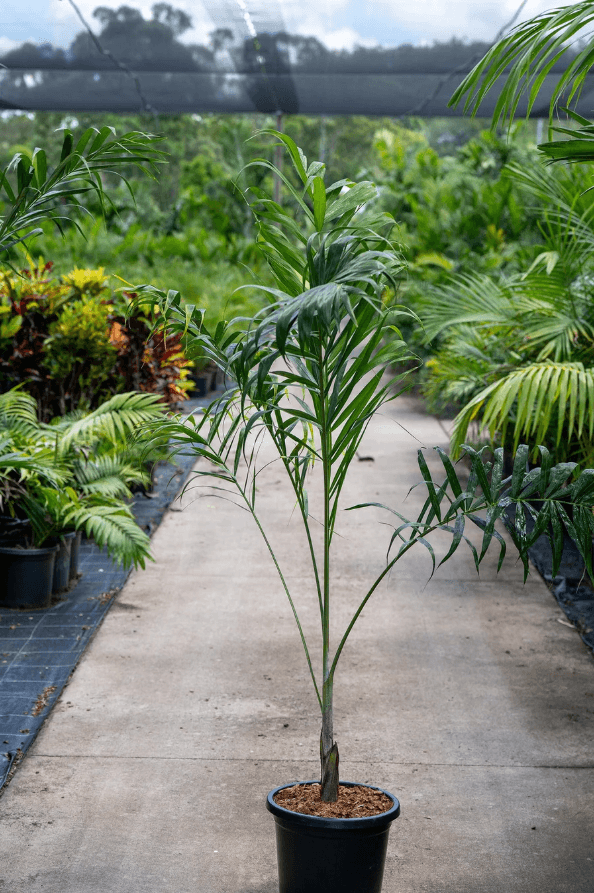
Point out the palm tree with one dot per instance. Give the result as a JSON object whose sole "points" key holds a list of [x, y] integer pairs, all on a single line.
{"points": [[307, 375], [34, 193], [545, 390]]}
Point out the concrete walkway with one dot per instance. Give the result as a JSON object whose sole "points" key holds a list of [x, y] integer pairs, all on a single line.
{"points": [[465, 697]]}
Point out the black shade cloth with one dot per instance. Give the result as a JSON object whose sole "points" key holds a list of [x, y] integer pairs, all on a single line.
{"points": [[249, 62], [356, 94]]}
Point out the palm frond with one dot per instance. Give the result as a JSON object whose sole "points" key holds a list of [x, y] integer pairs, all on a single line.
{"points": [[37, 463], [34, 193], [18, 413], [458, 371], [531, 49], [540, 400], [109, 475], [539, 314], [477, 300], [114, 527], [549, 500], [577, 148], [555, 318], [117, 419]]}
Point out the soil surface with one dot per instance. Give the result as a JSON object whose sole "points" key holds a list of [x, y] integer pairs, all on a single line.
{"points": [[353, 802]]}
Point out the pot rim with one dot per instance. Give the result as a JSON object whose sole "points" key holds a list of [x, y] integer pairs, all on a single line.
{"points": [[12, 550], [67, 534], [316, 821]]}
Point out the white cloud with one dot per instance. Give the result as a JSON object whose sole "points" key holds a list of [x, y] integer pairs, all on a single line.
{"points": [[443, 19], [326, 21], [337, 23], [6, 44], [344, 39]]}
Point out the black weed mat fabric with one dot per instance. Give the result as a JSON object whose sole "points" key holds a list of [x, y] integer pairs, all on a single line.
{"points": [[40, 649], [570, 587]]}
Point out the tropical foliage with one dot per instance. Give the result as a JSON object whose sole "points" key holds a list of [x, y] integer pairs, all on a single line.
{"points": [[525, 57], [189, 226], [76, 472], [67, 341], [321, 337], [550, 500], [36, 192], [516, 349], [458, 211]]}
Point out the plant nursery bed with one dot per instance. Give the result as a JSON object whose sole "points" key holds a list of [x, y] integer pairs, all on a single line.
{"points": [[39, 650]]}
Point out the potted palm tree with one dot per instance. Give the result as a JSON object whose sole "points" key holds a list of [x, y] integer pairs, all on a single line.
{"points": [[308, 373]]}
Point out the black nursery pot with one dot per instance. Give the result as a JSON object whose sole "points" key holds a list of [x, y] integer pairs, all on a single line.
{"points": [[75, 555], [26, 577], [200, 384], [61, 577], [320, 855]]}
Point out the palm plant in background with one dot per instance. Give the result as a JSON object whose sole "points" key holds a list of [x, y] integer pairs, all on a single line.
{"points": [[76, 472], [308, 373], [541, 386], [35, 193], [519, 350]]}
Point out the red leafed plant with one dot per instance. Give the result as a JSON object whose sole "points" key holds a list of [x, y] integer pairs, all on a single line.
{"points": [[148, 360]]}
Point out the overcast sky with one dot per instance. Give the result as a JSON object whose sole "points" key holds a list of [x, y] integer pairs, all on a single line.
{"points": [[338, 23]]}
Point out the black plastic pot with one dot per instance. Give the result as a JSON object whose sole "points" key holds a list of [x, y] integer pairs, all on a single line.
{"points": [[74, 555], [61, 576], [200, 383], [319, 855], [26, 577]]}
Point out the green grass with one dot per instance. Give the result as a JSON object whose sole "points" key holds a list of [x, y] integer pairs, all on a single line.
{"points": [[202, 266]]}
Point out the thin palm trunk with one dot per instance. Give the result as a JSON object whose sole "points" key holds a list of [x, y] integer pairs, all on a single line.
{"points": [[328, 747]]}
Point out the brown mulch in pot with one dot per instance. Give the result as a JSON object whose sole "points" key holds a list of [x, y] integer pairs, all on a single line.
{"points": [[353, 802]]}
